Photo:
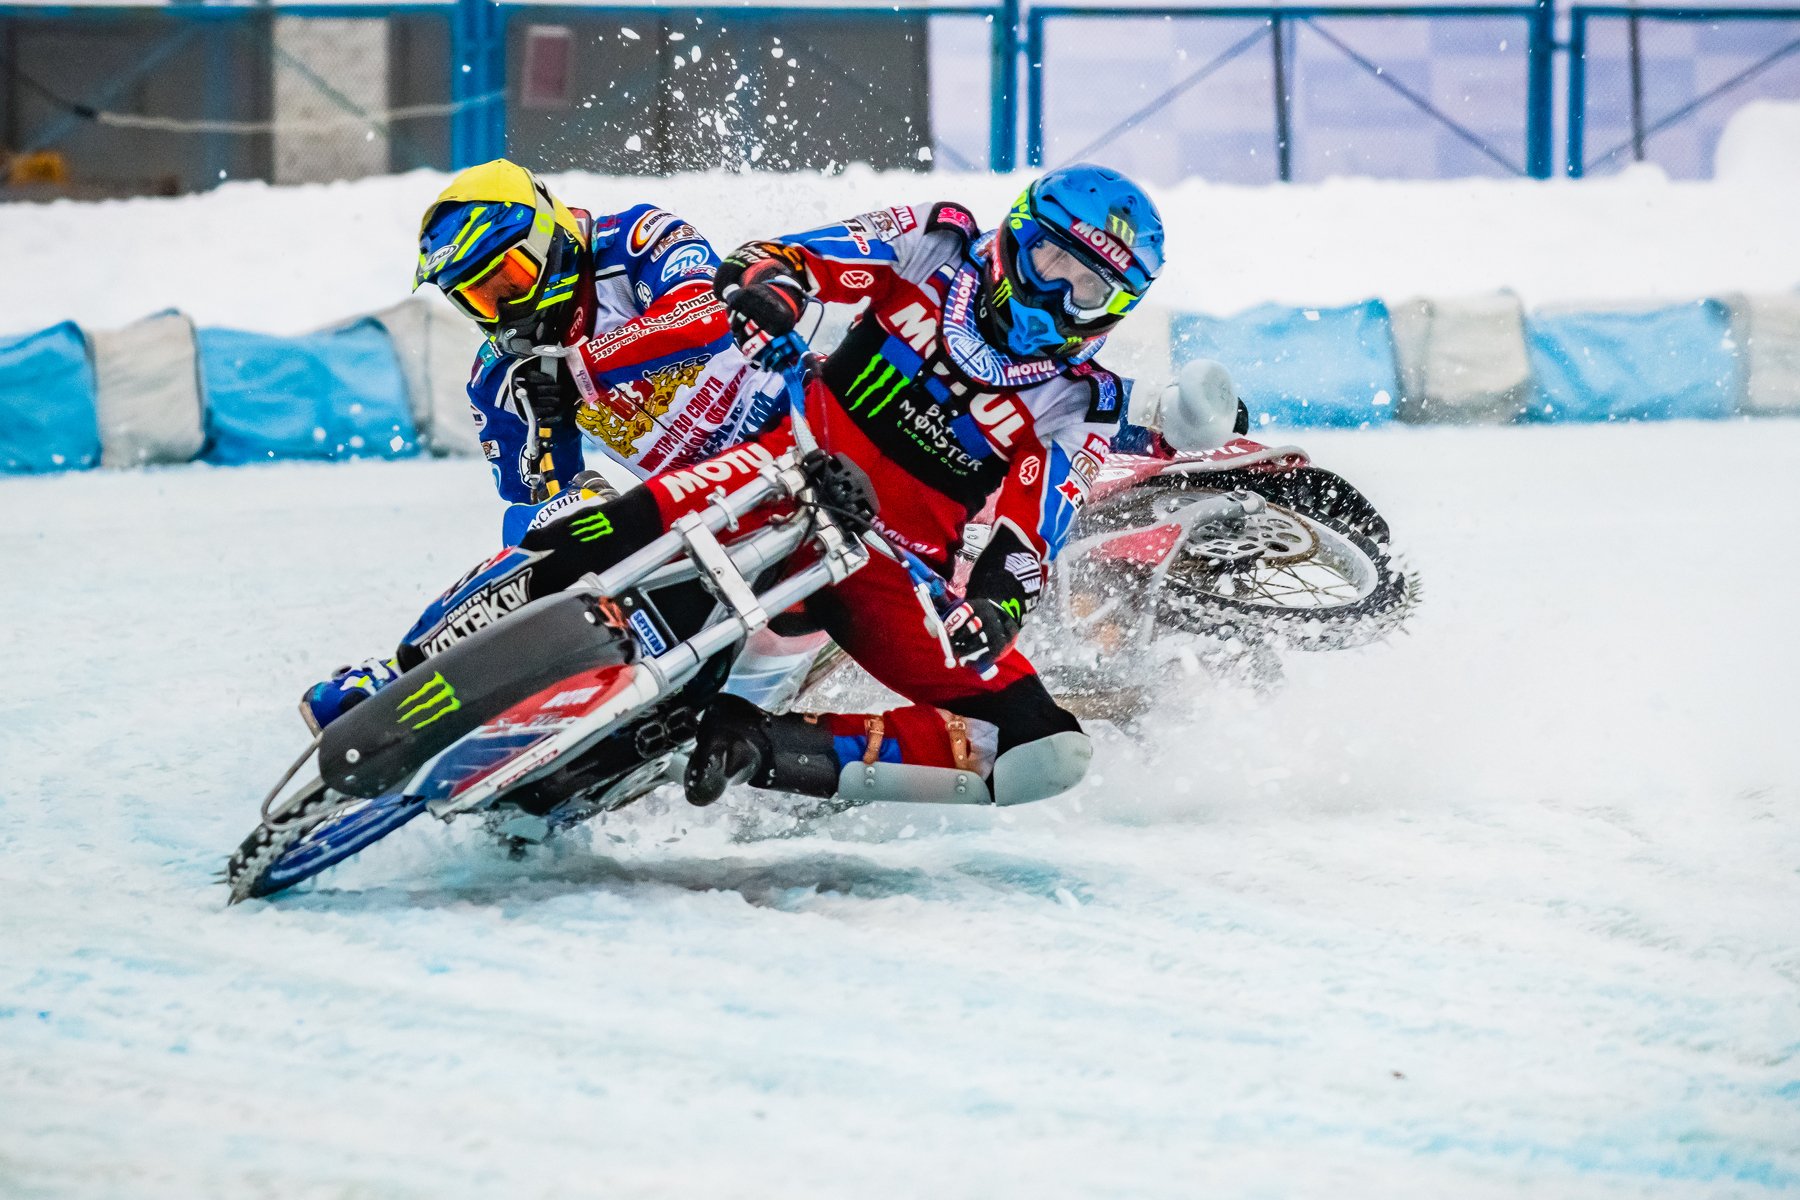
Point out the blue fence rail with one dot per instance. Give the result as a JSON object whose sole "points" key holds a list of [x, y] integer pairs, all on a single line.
{"points": [[1275, 24]]}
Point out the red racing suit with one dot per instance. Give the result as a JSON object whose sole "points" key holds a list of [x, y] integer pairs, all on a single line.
{"points": [[941, 420]]}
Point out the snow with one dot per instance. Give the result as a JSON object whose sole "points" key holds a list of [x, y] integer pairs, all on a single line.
{"points": [[1760, 146], [284, 260], [1506, 907]]}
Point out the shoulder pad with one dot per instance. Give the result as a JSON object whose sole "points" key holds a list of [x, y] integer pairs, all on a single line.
{"points": [[652, 222], [1106, 393], [954, 218]]}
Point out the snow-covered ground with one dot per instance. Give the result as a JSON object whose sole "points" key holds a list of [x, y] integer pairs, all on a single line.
{"points": [[1507, 908], [288, 259]]}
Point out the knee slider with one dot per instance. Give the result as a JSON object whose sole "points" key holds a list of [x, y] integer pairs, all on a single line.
{"points": [[1042, 768]]}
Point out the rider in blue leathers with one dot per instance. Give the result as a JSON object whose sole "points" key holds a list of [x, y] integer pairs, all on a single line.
{"points": [[648, 372]]}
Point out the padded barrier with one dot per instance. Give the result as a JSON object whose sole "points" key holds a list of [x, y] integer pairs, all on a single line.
{"points": [[1768, 328], [47, 420], [147, 392], [331, 395], [1315, 366], [1658, 364], [1462, 359], [436, 349]]}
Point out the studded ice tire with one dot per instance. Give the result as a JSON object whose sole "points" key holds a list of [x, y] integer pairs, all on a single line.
{"points": [[1275, 582]]}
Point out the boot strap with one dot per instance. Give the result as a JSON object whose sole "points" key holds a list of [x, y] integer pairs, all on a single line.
{"points": [[876, 729], [958, 729]]}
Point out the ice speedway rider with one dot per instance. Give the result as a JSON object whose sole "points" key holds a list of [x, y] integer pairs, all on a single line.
{"points": [[649, 372], [969, 373]]}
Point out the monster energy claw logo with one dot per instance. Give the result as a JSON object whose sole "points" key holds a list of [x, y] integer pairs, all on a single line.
{"points": [[590, 527], [437, 698], [887, 384]]}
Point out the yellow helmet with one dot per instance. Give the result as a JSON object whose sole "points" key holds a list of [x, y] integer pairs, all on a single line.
{"points": [[505, 251]]}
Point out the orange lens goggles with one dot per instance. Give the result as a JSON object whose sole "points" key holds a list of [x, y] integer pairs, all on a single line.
{"points": [[507, 278]]}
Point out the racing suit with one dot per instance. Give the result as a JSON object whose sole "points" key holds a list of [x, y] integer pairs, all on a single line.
{"points": [[659, 382]]}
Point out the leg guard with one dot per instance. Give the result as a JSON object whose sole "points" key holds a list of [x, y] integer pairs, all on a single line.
{"points": [[1037, 770], [1043, 768], [907, 783]]}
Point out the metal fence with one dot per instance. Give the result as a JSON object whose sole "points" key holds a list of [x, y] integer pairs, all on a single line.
{"points": [[171, 100], [1262, 93], [121, 100], [1656, 84]]}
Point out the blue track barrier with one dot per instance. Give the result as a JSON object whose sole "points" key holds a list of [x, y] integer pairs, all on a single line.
{"points": [[1667, 363], [47, 418], [1316, 366], [321, 396]]}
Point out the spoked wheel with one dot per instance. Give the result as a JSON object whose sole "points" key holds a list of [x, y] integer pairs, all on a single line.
{"points": [[315, 828], [1311, 570], [1312, 586]]}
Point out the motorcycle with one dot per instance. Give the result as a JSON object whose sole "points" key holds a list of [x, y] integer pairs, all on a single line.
{"points": [[579, 703]]}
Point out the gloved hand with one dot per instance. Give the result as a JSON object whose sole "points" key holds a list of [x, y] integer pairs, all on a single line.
{"points": [[551, 399], [764, 299], [981, 630]]}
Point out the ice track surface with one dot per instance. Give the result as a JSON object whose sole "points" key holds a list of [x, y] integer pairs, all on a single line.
{"points": [[1508, 908]]}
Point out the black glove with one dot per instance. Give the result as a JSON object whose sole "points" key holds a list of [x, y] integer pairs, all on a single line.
{"points": [[1003, 587], [550, 399], [764, 296], [981, 630]]}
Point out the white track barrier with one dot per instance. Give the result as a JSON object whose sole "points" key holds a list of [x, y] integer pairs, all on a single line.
{"points": [[1766, 328], [1462, 359], [147, 392], [436, 349]]}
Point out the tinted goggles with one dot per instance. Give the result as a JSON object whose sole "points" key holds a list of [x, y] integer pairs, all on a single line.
{"points": [[1088, 293], [510, 277]]}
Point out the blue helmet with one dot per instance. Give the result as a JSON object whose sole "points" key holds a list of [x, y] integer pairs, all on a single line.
{"points": [[1077, 252], [506, 252]]}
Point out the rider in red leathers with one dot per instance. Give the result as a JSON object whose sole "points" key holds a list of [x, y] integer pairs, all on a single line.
{"points": [[969, 373]]}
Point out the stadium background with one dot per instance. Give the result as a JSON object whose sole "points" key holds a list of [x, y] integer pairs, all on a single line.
{"points": [[125, 99], [235, 326]]}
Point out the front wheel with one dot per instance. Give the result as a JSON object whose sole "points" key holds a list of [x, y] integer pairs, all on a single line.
{"points": [[318, 828]]}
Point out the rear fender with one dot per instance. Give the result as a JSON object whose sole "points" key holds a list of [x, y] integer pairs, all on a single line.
{"points": [[1123, 472]]}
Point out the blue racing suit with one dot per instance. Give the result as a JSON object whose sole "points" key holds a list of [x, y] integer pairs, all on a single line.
{"points": [[660, 382]]}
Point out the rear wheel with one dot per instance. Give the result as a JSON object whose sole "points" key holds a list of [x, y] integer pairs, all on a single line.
{"points": [[1311, 571]]}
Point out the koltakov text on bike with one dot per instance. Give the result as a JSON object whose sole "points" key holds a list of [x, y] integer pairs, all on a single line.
{"points": [[969, 373]]}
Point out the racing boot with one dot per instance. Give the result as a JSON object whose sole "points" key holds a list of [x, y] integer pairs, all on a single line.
{"points": [[325, 702], [740, 743]]}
